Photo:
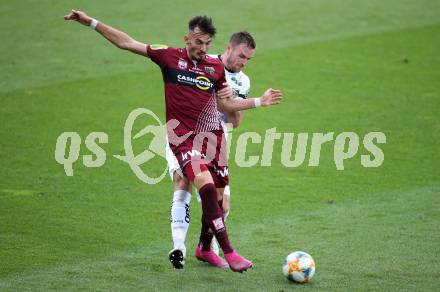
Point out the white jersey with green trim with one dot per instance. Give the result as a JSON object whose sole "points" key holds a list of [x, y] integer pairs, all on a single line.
{"points": [[240, 84]]}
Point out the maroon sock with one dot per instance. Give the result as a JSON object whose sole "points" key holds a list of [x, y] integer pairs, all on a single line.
{"points": [[205, 236], [220, 204], [213, 216]]}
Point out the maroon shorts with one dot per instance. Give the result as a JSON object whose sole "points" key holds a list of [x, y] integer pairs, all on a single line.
{"points": [[201, 152]]}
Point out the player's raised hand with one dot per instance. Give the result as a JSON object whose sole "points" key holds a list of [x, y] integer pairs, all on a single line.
{"points": [[225, 92], [271, 97], [79, 16]]}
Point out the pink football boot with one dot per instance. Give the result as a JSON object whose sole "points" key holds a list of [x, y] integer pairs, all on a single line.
{"points": [[237, 263], [211, 258]]}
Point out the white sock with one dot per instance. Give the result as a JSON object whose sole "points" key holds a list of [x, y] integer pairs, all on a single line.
{"points": [[225, 216], [180, 218], [214, 246]]}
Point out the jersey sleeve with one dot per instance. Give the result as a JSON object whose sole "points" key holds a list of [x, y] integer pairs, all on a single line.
{"points": [[158, 53]]}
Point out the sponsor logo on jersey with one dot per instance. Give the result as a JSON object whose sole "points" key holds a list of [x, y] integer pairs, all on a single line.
{"points": [[200, 82], [203, 83], [224, 172], [187, 215], [209, 70], [196, 70], [192, 153], [239, 83], [182, 64], [158, 47]]}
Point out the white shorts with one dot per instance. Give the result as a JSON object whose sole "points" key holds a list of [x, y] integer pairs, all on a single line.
{"points": [[173, 164]]}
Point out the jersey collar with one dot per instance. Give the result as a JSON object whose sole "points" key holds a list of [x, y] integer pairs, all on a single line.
{"points": [[226, 68]]}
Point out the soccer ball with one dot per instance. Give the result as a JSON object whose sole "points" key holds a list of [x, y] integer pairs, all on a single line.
{"points": [[299, 267]]}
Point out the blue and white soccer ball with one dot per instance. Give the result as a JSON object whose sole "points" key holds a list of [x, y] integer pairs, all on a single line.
{"points": [[299, 267]]}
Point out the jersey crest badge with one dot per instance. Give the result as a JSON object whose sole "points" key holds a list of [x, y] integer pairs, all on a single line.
{"points": [[210, 70], [182, 64]]}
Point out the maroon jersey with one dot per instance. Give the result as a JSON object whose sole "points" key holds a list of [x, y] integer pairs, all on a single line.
{"points": [[189, 88]]}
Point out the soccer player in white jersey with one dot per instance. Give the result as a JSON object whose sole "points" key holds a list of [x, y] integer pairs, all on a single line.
{"points": [[239, 51]]}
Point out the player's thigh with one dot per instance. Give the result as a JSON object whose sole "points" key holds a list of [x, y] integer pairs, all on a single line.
{"points": [[202, 179], [226, 198], [173, 164], [226, 203]]}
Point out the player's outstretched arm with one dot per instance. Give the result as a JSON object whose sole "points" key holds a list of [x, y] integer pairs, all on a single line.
{"points": [[116, 37], [270, 97]]}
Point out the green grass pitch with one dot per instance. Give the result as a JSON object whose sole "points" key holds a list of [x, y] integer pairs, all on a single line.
{"points": [[358, 66]]}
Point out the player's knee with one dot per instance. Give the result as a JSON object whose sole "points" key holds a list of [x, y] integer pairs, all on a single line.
{"points": [[226, 205], [181, 197], [181, 183]]}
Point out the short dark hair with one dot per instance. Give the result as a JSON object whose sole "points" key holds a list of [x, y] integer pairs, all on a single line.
{"points": [[243, 37], [204, 23]]}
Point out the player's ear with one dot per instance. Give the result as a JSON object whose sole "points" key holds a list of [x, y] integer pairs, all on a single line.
{"points": [[186, 39], [229, 47]]}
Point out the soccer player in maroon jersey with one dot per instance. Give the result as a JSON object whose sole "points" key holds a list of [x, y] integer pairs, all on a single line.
{"points": [[239, 50], [195, 89]]}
